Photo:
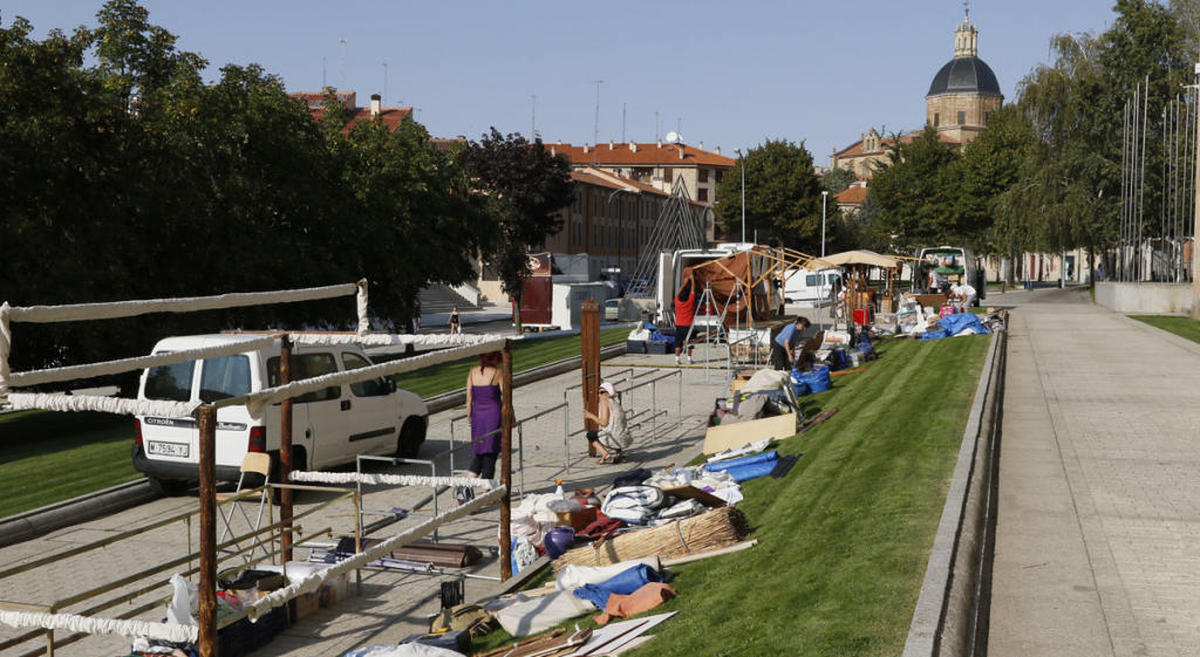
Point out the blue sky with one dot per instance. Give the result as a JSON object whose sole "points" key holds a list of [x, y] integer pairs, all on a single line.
{"points": [[725, 73]]}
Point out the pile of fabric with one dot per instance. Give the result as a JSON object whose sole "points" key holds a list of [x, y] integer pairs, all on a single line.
{"points": [[616, 591], [956, 325]]}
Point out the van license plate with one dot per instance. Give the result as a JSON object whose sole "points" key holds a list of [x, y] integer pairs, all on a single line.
{"points": [[179, 450]]}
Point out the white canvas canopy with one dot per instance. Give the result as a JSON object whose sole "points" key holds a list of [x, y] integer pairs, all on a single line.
{"points": [[862, 257]]}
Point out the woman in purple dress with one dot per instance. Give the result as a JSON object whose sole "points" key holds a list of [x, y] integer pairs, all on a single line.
{"points": [[483, 409]]}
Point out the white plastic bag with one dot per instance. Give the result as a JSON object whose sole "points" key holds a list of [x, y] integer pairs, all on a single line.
{"points": [[183, 601]]}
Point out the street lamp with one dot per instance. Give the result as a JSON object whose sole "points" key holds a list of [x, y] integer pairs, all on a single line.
{"points": [[742, 161], [620, 229], [824, 198]]}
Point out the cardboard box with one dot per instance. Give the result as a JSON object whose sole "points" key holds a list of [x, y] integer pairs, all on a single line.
{"points": [[333, 590], [578, 520], [306, 604], [729, 436]]}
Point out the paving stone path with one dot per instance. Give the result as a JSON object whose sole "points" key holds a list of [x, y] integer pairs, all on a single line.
{"points": [[1098, 531], [391, 605]]}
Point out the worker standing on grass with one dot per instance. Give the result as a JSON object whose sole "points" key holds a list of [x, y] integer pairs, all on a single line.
{"points": [[783, 353], [685, 313]]}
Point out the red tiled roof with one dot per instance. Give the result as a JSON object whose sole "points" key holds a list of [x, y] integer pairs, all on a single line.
{"points": [[610, 180], [856, 149], [391, 116], [641, 154], [856, 193]]}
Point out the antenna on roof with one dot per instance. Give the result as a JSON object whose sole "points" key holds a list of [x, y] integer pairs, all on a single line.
{"points": [[342, 43], [624, 106], [596, 125], [385, 83], [657, 128], [323, 83], [532, 117]]}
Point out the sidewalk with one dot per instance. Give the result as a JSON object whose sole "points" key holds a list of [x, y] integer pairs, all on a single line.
{"points": [[1099, 493], [393, 605]]}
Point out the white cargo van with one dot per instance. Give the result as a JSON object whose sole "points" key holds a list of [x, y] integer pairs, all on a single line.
{"points": [[810, 287], [329, 427]]}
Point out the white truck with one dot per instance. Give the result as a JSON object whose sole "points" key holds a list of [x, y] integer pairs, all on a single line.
{"points": [[330, 427], [806, 286]]}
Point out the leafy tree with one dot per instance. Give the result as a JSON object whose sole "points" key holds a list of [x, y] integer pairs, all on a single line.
{"points": [[523, 187], [783, 197], [989, 166], [836, 180], [914, 192]]}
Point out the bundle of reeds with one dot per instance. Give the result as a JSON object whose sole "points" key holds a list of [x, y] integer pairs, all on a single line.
{"points": [[718, 528]]}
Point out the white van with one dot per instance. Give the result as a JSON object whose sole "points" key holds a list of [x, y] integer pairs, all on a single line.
{"points": [[954, 263], [810, 287], [329, 427]]}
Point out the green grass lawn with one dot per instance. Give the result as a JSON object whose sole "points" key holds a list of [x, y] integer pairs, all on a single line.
{"points": [[1184, 327], [527, 354], [48, 457], [844, 538]]}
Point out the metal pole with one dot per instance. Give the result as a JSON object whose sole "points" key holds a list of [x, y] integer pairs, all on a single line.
{"points": [[824, 200], [506, 425], [742, 161], [285, 449], [207, 421], [1196, 207], [1142, 191]]}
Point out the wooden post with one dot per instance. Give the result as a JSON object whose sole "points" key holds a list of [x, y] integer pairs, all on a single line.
{"points": [[506, 425], [207, 420], [285, 449], [589, 335]]}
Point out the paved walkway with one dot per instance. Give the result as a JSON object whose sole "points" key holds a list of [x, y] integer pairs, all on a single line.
{"points": [[392, 605], [1098, 533]]}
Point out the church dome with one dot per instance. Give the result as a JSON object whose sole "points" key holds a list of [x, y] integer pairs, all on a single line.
{"points": [[964, 75]]}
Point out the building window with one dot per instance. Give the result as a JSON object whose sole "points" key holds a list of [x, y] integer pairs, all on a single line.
{"points": [[937, 119], [962, 118], [720, 176], [702, 195], [703, 175], [668, 174], [986, 117]]}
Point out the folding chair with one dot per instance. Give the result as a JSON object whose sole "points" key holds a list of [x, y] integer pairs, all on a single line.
{"points": [[253, 463]]}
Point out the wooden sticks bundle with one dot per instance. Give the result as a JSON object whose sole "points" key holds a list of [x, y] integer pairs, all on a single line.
{"points": [[718, 528]]}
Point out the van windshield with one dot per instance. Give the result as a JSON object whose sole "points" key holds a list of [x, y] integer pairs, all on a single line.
{"points": [[170, 382], [224, 377]]}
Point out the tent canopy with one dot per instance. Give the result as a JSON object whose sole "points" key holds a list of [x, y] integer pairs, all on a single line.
{"points": [[862, 257]]}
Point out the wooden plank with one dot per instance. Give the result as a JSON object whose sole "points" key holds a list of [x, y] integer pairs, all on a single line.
{"points": [[690, 492], [730, 436], [818, 419]]}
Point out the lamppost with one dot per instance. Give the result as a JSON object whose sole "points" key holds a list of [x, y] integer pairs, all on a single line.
{"points": [[743, 163], [824, 199], [620, 230]]}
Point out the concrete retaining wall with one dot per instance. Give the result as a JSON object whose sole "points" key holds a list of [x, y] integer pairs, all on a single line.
{"points": [[1147, 298]]}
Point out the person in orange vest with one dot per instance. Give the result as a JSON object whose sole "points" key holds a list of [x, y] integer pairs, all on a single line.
{"points": [[685, 313]]}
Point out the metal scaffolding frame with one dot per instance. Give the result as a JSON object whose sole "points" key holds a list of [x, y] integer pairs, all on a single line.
{"points": [[678, 226]]}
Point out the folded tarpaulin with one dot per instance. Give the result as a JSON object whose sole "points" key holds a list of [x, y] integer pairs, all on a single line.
{"points": [[747, 467], [936, 334], [574, 576], [632, 504], [954, 324], [744, 460], [623, 583], [531, 616], [644, 599]]}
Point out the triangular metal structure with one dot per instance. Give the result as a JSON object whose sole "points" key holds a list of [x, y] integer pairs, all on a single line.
{"points": [[678, 226]]}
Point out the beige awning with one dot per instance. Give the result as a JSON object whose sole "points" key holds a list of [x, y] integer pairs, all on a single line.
{"points": [[861, 257]]}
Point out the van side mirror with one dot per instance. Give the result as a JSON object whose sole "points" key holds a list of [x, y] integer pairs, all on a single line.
{"points": [[390, 384]]}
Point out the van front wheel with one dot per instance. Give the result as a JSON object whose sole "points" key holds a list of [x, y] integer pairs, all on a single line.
{"points": [[412, 434]]}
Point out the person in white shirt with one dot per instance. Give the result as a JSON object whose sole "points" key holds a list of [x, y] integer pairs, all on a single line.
{"points": [[965, 293]]}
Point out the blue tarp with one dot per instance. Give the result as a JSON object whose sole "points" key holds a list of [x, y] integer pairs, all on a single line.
{"points": [[955, 323], [817, 379], [936, 334], [623, 583], [746, 467]]}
